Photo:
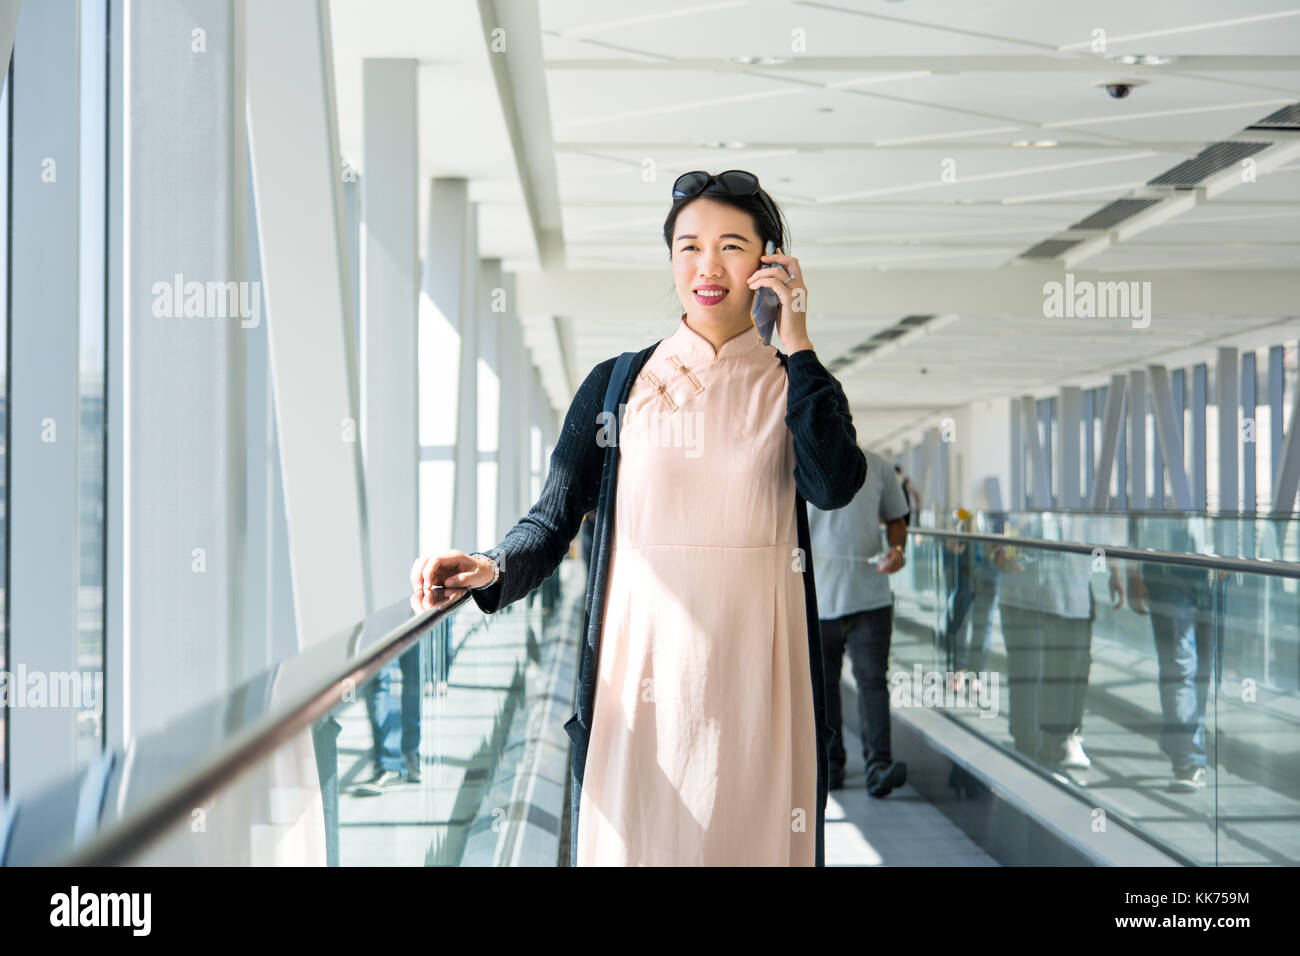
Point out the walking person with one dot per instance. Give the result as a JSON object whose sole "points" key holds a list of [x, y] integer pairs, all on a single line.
{"points": [[1189, 650], [857, 609], [910, 493], [394, 725], [1047, 607], [699, 736]]}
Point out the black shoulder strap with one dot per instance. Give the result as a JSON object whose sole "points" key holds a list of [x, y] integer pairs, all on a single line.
{"points": [[617, 379]]}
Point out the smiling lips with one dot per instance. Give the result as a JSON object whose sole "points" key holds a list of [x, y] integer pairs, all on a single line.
{"points": [[709, 294]]}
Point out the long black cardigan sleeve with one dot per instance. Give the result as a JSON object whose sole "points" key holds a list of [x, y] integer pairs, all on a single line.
{"points": [[532, 550], [829, 467], [829, 470]]}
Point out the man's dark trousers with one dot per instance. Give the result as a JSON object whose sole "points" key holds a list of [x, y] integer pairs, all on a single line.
{"points": [[866, 634]]}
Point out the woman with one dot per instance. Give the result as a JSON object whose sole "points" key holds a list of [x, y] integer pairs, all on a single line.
{"points": [[699, 737]]}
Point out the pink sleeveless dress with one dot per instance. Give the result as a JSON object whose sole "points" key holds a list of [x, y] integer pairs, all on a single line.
{"points": [[703, 745]]}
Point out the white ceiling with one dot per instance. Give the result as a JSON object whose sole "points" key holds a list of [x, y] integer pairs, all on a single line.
{"points": [[850, 135]]}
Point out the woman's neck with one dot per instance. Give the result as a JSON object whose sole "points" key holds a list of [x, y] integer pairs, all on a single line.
{"points": [[718, 334]]}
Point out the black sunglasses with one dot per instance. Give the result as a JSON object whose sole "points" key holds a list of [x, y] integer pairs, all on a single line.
{"points": [[735, 182]]}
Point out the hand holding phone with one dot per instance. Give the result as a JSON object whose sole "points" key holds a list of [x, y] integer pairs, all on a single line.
{"points": [[767, 304]]}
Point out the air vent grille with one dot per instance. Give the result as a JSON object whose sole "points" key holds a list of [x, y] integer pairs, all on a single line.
{"points": [[1116, 212], [1212, 159], [1288, 117], [1050, 248]]}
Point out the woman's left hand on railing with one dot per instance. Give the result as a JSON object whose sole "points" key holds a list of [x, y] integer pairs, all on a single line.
{"points": [[451, 569]]}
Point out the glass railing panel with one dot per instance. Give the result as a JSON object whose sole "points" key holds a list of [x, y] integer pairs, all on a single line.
{"points": [[1117, 677], [1257, 719], [413, 763], [469, 689]]}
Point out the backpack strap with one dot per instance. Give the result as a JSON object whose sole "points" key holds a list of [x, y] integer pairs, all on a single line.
{"points": [[617, 379]]}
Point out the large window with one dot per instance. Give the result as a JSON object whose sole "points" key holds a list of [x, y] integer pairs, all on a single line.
{"points": [[91, 266], [35, 650]]}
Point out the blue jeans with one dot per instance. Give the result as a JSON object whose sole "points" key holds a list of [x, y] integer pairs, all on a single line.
{"points": [[395, 730], [1182, 624], [971, 648]]}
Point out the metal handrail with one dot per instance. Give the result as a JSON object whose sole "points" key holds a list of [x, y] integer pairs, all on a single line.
{"points": [[116, 843], [1149, 513], [1285, 569]]}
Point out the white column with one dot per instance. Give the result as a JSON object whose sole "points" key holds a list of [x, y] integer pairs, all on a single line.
{"points": [[1227, 398], [293, 132], [442, 289], [182, 367], [464, 521], [510, 348], [1071, 415], [489, 399], [44, 399], [1137, 439], [390, 293], [536, 466]]}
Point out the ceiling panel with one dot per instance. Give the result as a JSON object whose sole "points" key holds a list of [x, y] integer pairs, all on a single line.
{"points": [[856, 157]]}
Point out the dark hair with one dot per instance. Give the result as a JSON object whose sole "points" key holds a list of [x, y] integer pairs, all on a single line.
{"points": [[776, 231]]}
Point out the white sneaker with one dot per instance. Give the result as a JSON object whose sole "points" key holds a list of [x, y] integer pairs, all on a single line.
{"points": [[1189, 780], [1074, 755]]}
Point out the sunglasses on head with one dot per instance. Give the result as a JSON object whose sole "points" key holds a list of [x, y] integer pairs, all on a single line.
{"points": [[734, 182]]}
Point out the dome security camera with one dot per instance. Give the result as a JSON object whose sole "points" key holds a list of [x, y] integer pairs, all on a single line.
{"points": [[1119, 89]]}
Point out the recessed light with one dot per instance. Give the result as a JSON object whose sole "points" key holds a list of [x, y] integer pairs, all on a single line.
{"points": [[1034, 143], [825, 109], [1142, 59], [759, 60]]}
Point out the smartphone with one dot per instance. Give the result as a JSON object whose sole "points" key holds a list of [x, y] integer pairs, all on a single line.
{"points": [[767, 305]]}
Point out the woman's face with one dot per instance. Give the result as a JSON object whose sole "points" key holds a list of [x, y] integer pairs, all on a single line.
{"points": [[715, 250]]}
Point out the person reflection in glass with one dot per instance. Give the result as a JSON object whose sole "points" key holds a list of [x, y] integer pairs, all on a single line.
{"points": [[1047, 617]]}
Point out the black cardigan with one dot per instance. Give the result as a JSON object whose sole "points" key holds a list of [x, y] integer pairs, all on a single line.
{"points": [[829, 469]]}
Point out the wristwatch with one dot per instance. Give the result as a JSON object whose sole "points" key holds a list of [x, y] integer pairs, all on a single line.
{"points": [[496, 569]]}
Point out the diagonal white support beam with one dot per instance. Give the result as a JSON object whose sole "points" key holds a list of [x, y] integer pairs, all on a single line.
{"points": [[1171, 445], [293, 136], [1042, 490], [1287, 479], [1114, 417], [1071, 417]]}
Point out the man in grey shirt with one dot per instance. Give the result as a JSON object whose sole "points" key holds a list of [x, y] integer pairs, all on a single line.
{"points": [[856, 609]]}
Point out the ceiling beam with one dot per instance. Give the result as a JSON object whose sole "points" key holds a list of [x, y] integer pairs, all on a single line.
{"points": [[941, 65], [1014, 290], [513, 29]]}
